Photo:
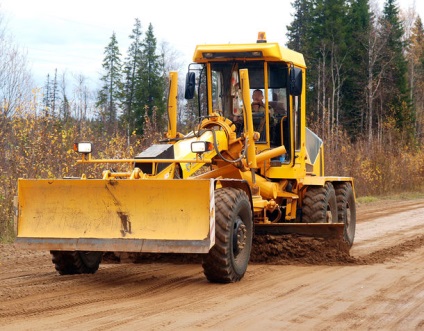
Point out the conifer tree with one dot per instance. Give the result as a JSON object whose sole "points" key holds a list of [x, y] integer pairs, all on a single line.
{"points": [[132, 79], [416, 55], [298, 31], [151, 88], [395, 96], [54, 93], [51, 95], [322, 27], [354, 89], [109, 97], [46, 95], [65, 104]]}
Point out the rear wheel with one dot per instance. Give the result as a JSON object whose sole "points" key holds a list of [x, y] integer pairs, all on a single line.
{"points": [[227, 260], [320, 205], [346, 210], [76, 262]]}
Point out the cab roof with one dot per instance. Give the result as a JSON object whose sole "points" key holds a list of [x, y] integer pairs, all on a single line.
{"points": [[248, 52]]}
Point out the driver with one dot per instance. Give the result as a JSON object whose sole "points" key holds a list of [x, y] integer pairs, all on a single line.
{"points": [[258, 102]]}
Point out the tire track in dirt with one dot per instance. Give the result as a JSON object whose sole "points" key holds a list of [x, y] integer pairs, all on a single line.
{"points": [[368, 212], [392, 252], [110, 284], [394, 300]]}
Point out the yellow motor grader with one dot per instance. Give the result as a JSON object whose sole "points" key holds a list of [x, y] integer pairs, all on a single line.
{"points": [[243, 171]]}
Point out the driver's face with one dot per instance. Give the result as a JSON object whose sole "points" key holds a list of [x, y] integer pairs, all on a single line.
{"points": [[257, 96]]}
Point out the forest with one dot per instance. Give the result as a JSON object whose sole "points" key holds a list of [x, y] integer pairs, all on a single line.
{"points": [[365, 83]]}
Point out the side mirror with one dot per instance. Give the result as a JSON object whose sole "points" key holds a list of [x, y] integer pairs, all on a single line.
{"points": [[190, 85], [295, 83]]}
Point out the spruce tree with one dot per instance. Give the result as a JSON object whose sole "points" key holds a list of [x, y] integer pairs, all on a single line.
{"points": [[354, 89], [54, 93], [65, 104], [132, 79], [151, 88], [416, 55], [324, 46], [396, 98], [109, 97], [47, 96], [298, 30]]}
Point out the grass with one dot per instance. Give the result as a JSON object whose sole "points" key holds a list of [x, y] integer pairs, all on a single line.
{"points": [[397, 196]]}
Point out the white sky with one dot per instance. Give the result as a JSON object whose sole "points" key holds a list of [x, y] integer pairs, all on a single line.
{"points": [[72, 35]]}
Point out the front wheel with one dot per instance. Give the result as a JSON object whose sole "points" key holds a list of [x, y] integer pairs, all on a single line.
{"points": [[227, 260], [320, 204], [346, 210], [76, 262]]}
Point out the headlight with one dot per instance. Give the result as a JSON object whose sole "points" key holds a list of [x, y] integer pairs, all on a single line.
{"points": [[84, 148], [201, 146]]}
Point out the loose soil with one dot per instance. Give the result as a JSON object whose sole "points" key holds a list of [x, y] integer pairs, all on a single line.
{"points": [[292, 283]]}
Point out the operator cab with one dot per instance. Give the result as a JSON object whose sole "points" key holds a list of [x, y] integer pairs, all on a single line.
{"points": [[279, 81], [268, 79]]}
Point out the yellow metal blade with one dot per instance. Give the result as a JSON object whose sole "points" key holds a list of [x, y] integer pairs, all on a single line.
{"points": [[123, 215]]}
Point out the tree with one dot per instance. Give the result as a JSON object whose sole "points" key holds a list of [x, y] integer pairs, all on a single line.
{"points": [[319, 31], [331, 16], [416, 74], [354, 89], [46, 95], [50, 97], [131, 68], [109, 97], [54, 93], [81, 101], [298, 30], [395, 97], [65, 105], [375, 68], [151, 88], [15, 78]]}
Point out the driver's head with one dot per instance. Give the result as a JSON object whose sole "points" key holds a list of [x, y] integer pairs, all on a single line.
{"points": [[257, 96]]}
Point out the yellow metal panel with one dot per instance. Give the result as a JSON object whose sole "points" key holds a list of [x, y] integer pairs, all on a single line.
{"points": [[247, 113], [182, 150], [270, 52], [172, 105], [295, 57], [286, 171], [116, 209]]}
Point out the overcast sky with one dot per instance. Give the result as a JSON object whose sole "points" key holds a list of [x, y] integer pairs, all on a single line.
{"points": [[72, 35]]}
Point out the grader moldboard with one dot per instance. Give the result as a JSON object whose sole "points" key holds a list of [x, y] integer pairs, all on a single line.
{"points": [[239, 173]]}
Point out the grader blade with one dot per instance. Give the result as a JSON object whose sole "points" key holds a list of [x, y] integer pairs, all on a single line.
{"points": [[166, 216], [323, 230]]}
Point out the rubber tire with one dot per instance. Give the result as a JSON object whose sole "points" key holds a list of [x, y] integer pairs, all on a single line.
{"points": [[226, 262], [346, 210], [76, 262], [319, 204]]}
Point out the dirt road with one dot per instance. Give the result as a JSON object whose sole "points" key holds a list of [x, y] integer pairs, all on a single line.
{"points": [[380, 287]]}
